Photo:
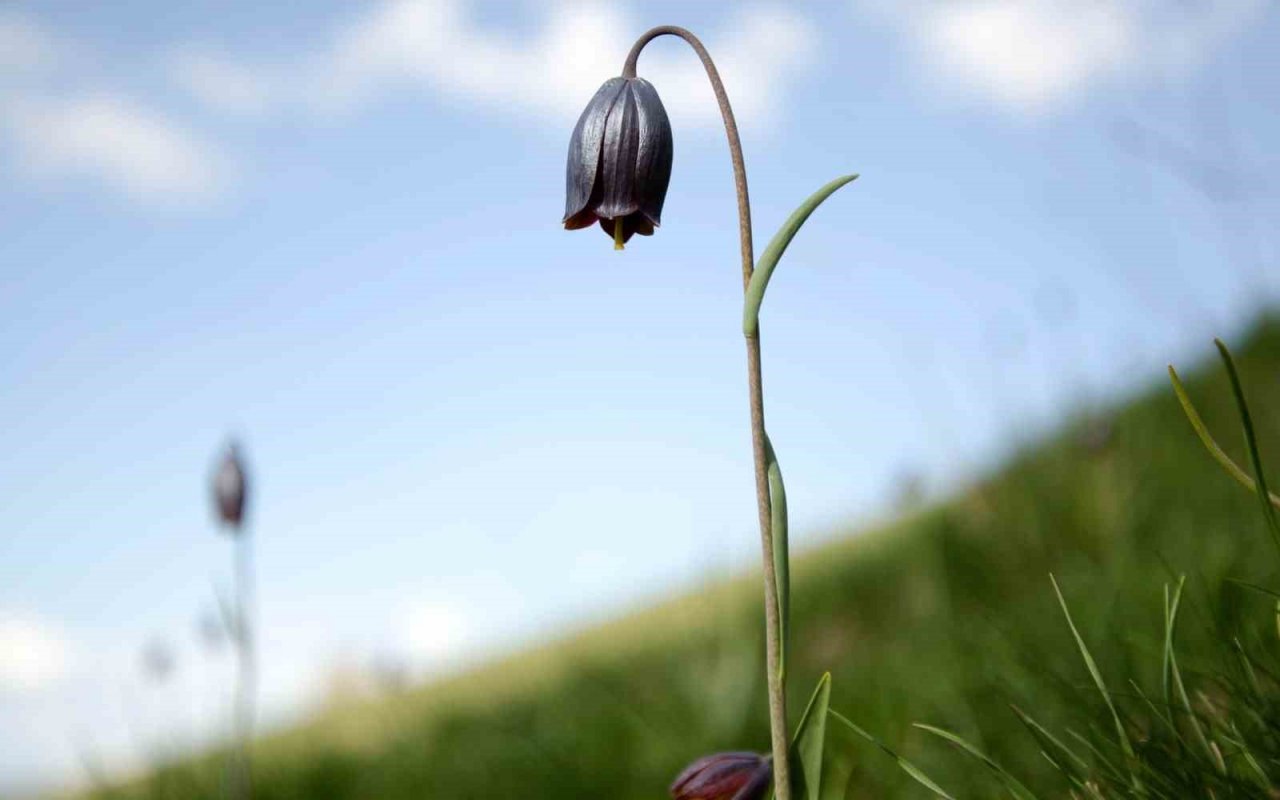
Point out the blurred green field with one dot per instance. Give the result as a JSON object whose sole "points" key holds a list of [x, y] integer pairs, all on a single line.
{"points": [[945, 616]]}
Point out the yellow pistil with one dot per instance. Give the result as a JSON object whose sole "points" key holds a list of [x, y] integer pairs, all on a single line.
{"points": [[617, 233]]}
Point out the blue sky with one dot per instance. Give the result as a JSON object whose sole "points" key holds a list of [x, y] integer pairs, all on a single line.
{"points": [[333, 232]]}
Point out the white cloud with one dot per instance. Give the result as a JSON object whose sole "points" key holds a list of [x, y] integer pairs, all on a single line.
{"points": [[552, 70], [1035, 56], [24, 45], [765, 48], [1028, 53], [32, 654], [145, 153], [220, 84], [130, 147]]}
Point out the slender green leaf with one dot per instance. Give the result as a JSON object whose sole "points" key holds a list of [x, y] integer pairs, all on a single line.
{"points": [[907, 766], [1125, 745], [1173, 676], [1165, 717], [1251, 440], [1264, 780], [1262, 590], [1170, 624], [809, 741], [777, 246], [839, 761], [1040, 732], [1210, 444], [1254, 587], [1114, 772], [781, 551], [1015, 786], [1247, 666]]}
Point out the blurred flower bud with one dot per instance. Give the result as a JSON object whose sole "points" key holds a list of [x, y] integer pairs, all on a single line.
{"points": [[619, 161], [725, 776], [230, 488]]}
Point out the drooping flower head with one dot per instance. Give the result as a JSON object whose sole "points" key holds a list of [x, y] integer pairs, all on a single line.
{"points": [[619, 161], [230, 488], [725, 776]]}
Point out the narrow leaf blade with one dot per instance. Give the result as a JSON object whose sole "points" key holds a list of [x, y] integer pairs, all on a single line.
{"points": [[810, 739], [1011, 783], [773, 253], [781, 550], [907, 767], [1232, 468], [1251, 441], [1095, 674]]}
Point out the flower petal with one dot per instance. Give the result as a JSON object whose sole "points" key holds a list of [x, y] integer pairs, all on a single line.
{"points": [[631, 225], [756, 788], [653, 160], [618, 160], [583, 165], [583, 219], [724, 776]]}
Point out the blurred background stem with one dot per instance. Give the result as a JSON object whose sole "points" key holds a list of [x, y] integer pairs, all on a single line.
{"points": [[246, 675]]}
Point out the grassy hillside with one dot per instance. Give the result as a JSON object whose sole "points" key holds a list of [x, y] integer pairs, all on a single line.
{"points": [[946, 616]]}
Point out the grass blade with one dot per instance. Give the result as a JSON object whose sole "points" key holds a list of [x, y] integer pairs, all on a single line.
{"points": [[1040, 732], [1173, 676], [1246, 667], [1125, 744], [1232, 468], [1251, 440], [907, 766], [1215, 450], [1170, 624], [1114, 773], [1264, 780], [1166, 717], [1011, 783], [1254, 587]]}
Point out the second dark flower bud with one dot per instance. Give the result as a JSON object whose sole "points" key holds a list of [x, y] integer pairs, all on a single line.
{"points": [[230, 489], [725, 776]]}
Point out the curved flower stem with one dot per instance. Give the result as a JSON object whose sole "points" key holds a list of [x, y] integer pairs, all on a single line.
{"points": [[773, 633]]}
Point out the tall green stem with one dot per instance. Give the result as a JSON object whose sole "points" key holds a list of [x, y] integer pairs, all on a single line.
{"points": [[773, 623]]}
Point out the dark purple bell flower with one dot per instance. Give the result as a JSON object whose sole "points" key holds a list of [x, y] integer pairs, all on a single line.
{"points": [[725, 776], [230, 488], [619, 161]]}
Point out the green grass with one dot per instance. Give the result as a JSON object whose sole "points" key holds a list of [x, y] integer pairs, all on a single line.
{"points": [[945, 617]]}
